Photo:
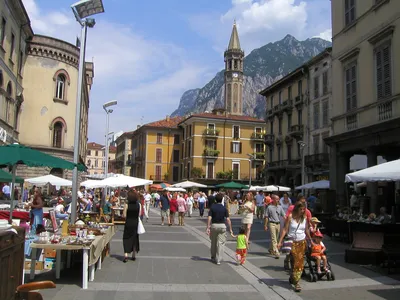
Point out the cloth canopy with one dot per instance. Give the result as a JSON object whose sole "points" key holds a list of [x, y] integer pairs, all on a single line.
{"points": [[232, 186], [91, 184], [388, 171], [159, 186], [316, 185], [276, 188], [175, 189], [7, 177], [189, 184], [53, 180], [123, 181]]}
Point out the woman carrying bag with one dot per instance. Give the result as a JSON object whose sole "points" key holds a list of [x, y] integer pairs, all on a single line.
{"points": [[130, 238]]}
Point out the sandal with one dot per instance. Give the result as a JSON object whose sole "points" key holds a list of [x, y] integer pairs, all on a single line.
{"points": [[297, 288]]}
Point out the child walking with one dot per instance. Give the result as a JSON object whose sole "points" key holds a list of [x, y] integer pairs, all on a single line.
{"points": [[241, 246]]}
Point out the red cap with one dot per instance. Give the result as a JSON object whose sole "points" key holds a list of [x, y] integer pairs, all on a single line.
{"points": [[318, 234]]}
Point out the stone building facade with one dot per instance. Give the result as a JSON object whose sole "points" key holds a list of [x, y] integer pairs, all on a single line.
{"points": [[365, 91]]}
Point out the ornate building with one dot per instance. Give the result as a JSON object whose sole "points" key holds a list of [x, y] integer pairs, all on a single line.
{"points": [[234, 75], [15, 29], [47, 120]]}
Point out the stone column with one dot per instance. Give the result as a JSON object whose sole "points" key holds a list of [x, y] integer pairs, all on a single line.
{"points": [[372, 187], [338, 168]]}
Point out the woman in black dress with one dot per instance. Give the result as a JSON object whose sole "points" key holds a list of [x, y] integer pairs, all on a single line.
{"points": [[131, 237]]}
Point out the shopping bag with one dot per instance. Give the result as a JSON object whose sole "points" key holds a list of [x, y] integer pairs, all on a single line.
{"points": [[140, 228]]}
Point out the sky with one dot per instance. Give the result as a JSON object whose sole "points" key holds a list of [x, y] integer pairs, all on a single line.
{"points": [[148, 53]]}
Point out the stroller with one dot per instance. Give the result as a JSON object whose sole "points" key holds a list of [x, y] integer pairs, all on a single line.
{"points": [[310, 268]]}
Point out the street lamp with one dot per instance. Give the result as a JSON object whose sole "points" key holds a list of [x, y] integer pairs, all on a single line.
{"points": [[108, 112], [251, 158], [81, 10], [302, 146]]}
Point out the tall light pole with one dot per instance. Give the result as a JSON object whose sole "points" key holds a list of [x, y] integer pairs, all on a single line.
{"points": [[82, 10], [303, 177], [108, 112], [251, 158]]}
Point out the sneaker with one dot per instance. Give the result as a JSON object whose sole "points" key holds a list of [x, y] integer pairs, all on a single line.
{"points": [[218, 263], [162, 224]]}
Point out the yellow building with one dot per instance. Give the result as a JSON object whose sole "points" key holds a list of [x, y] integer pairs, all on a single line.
{"points": [[47, 120], [286, 117], [365, 91], [219, 145], [156, 150], [15, 30]]}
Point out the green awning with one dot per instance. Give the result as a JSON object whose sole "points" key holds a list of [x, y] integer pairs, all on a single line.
{"points": [[7, 177], [231, 186], [17, 154]]}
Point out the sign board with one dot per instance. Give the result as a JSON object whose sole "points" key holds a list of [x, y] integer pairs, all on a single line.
{"points": [[53, 220]]}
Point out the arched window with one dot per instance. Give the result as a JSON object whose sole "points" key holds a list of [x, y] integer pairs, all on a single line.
{"points": [[9, 92], [57, 134], [60, 86], [9, 89]]}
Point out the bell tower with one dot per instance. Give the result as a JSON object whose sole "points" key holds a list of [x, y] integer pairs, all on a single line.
{"points": [[234, 75]]}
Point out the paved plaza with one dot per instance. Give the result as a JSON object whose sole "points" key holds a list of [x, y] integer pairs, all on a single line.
{"points": [[174, 264]]}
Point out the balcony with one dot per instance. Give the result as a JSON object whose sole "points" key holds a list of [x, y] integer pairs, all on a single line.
{"points": [[299, 99], [211, 133], [269, 114], [296, 131], [294, 163], [276, 165], [269, 139], [320, 159], [156, 177], [259, 155], [210, 153], [256, 136], [128, 162], [277, 109], [287, 105], [279, 140]]}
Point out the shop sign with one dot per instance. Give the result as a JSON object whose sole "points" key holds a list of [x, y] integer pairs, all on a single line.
{"points": [[321, 177], [3, 135]]}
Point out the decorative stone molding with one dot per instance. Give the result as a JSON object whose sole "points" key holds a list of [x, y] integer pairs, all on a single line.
{"points": [[58, 119], [52, 48]]}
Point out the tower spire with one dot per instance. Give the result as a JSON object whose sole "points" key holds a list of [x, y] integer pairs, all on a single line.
{"points": [[234, 43]]}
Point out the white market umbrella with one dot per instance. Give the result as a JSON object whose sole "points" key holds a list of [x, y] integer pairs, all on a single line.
{"points": [[53, 180], [389, 171], [254, 188], [189, 184], [276, 188], [92, 184], [316, 185], [123, 181], [175, 189]]}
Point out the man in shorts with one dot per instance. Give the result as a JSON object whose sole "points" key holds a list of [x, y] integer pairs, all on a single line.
{"points": [[164, 205]]}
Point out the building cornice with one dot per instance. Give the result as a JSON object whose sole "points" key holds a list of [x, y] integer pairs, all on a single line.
{"points": [[48, 47]]}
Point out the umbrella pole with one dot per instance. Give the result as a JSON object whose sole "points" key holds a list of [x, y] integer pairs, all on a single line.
{"points": [[14, 169]]}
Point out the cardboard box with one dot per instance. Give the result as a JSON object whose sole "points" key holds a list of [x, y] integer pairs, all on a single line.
{"points": [[50, 253], [38, 266], [49, 263]]}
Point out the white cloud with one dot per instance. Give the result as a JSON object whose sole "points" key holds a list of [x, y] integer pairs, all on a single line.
{"points": [[326, 35], [147, 77], [260, 21]]}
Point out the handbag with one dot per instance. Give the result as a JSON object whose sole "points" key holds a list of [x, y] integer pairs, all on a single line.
{"points": [[140, 228], [288, 242]]}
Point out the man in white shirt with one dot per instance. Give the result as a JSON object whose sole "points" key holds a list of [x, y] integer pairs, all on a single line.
{"points": [[6, 191], [147, 203]]}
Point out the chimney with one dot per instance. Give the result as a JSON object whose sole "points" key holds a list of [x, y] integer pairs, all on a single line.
{"points": [[167, 118]]}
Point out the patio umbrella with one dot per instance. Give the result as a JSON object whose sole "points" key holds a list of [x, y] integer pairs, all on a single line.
{"points": [[317, 185], [7, 177], [231, 186], [53, 180], [91, 184], [189, 184], [159, 186], [16, 154], [123, 181]]}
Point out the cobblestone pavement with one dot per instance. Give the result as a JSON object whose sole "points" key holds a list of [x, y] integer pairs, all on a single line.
{"points": [[174, 264]]}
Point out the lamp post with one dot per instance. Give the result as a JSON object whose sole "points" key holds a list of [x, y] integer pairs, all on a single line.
{"points": [[251, 158], [302, 146], [82, 10], [108, 112]]}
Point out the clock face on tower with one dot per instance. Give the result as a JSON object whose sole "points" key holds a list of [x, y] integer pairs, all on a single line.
{"points": [[235, 75]]}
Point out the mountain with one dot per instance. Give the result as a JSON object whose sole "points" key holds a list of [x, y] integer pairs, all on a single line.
{"points": [[262, 67]]}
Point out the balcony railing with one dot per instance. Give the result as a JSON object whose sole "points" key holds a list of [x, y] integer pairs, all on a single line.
{"points": [[287, 104], [259, 155], [317, 159], [298, 99], [351, 122], [269, 139], [278, 164], [269, 113], [385, 111], [211, 132], [128, 162], [210, 153], [296, 130], [256, 136], [156, 177]]}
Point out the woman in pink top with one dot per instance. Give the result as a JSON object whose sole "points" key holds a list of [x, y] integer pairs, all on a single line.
{"points": [[173, 208], [182, 208]]}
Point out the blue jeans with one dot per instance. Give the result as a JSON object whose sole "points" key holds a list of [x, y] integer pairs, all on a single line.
{"points": [[62, 216], [37, 214], [201, 208]]}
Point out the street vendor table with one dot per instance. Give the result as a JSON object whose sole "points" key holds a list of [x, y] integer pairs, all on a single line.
{"points": [[92, 254], [20, 214]]}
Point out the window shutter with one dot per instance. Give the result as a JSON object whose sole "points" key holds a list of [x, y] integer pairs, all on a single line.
{"points": [[379, 77], [231, 147], [353, 87], [348, 90], [387, 76], [240, 148]]}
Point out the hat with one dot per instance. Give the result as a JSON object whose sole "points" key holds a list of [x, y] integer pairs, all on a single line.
{"points": [[112, 193], [318, 234], [315, 220]]}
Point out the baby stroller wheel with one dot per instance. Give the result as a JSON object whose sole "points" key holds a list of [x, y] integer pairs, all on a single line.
{"points": [[315, 278], [332, 276], [310, 277]]}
